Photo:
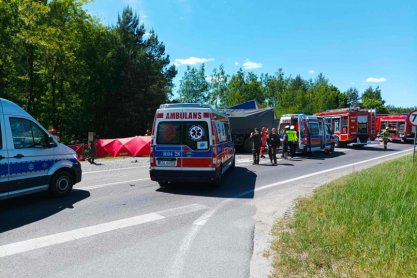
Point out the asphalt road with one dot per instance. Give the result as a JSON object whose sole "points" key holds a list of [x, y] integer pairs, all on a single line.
{"points": [[118, 223]]}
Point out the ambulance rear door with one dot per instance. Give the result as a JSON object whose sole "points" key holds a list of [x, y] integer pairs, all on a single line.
{"points": [[168, 143]]}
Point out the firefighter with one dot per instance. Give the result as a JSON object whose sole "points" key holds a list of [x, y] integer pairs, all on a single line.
{"points": [[385, 134], [256, 145], [273, 143], [292, 140]]}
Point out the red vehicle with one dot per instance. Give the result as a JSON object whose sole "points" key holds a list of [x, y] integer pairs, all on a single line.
{"points": [[351, 126], [399, 128]]}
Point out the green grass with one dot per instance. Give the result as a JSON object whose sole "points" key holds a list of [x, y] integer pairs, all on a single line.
{"points": [[363, 225]]}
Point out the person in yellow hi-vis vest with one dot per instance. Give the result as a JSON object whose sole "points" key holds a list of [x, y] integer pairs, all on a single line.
{"points": [[292, 140]]}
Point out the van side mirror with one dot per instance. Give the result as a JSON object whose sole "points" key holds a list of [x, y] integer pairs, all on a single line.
{"points": [[51, 142]]}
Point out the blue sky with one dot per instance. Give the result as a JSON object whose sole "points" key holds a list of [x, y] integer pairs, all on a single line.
{"points": [[353, 43]]}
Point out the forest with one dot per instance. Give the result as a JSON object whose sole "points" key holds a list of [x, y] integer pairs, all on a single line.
{"points": [[74, 74]]}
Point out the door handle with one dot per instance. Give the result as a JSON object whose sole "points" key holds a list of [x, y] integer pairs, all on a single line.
{"points": [[19, 155], [2, 157]]}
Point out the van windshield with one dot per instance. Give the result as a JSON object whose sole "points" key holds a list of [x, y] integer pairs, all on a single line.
{"points": [[193, 134]]}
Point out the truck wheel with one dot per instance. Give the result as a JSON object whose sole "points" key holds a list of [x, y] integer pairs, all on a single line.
{"points": [[247, 146], [61, 184]]}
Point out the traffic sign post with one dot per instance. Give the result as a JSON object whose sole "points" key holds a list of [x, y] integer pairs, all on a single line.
{"points": [[412, 118]]}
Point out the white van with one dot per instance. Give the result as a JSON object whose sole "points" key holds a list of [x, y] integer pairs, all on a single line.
{"points": [[190, 143], [31, 160]]}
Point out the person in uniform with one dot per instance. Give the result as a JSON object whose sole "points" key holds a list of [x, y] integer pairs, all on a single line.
{"points": [[273, 143], [385, 135], [292, 140], [255, 136]]}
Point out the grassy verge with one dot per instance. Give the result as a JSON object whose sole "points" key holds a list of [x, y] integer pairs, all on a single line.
{"points": [[363, 225]]}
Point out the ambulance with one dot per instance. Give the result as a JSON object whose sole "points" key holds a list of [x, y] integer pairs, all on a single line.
{"points": [[190, 143], [313, 133], [31, 159]]}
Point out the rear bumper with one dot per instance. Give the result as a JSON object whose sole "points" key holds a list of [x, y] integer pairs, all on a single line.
{"points": [[183, 175]]}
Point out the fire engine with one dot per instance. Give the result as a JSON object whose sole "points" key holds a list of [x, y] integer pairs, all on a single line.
{"points": [[312, 132], [351, 126], [399, 128]]}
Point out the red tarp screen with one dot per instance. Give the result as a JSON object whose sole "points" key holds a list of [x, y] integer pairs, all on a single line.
{"points": [[132, 146]]}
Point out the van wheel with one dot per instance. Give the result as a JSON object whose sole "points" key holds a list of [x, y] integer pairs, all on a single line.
{"points": [[233, 165], [218, 179], [61, 184], [332, 148], [336, 141]]}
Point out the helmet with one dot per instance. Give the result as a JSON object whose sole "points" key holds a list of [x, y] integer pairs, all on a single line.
{"points": [[292, 127], [52, 131], [386, 128], [287, 127]]}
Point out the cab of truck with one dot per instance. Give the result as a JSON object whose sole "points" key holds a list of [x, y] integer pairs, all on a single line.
{"points": [[31, 159]]}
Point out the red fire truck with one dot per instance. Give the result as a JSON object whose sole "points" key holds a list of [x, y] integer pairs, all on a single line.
{"points": [[399, 128], [351, 126]]}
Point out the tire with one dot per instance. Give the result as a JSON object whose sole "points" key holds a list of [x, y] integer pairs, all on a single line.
{"points": [[336, 141], [247, 146], [332, 148], [233, 165], [218, 179], [61, 184]]}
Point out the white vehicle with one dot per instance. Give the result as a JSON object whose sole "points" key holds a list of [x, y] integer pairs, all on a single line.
{"points": [[190, 142], [31, 160]]}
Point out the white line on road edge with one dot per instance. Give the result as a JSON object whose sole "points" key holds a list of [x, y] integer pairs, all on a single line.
{"points": [[108, 184], [45, 241], [177, 264]]}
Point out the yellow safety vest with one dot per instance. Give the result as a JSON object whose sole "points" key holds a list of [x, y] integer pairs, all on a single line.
{"points": [[292, 135]]}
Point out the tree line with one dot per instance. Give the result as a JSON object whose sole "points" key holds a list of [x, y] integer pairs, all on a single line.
{"points": [[286, 94], [75, 74]]}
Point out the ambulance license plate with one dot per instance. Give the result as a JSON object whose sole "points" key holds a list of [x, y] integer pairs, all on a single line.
{"points": [[166, 162]]}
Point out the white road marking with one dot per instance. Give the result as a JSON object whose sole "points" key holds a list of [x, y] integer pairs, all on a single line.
{"points": [[177, 264], [109, 184], [49, 240], [111, 170]]}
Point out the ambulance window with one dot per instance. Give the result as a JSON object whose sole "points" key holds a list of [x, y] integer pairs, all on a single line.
{"points": [[314, 128], [227, 129], [27, 134], [221, 131], [337, 125], [196, 135], [168, 133]]}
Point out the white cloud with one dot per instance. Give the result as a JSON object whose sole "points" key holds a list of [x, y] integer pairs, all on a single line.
{"points": [[192, 61], [375, 79], [251, 65], [236, 63], [311, 71]]}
